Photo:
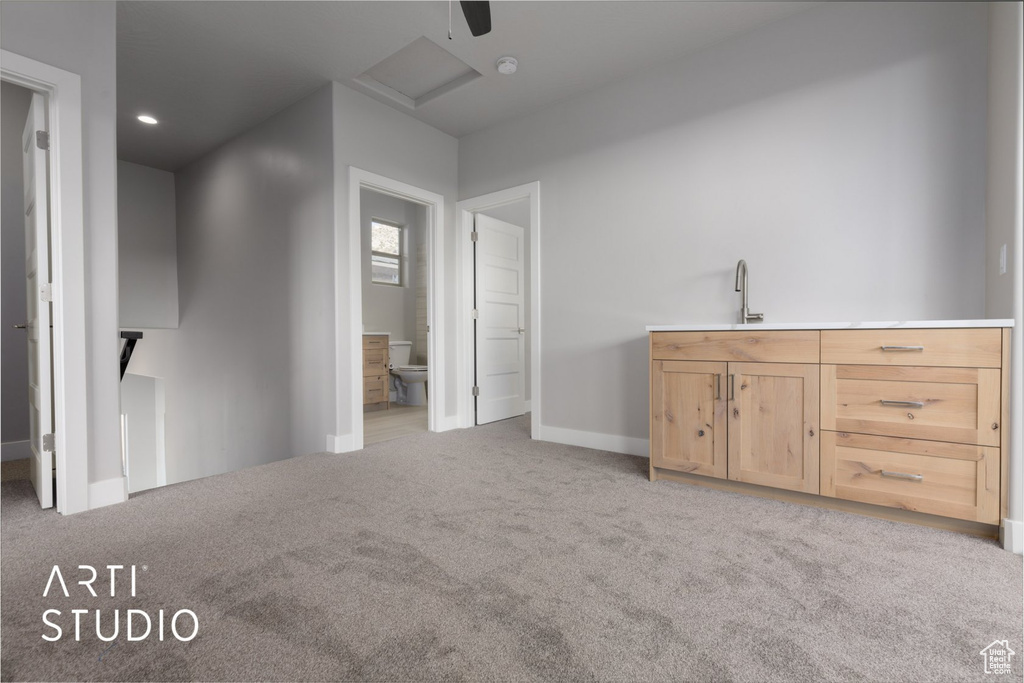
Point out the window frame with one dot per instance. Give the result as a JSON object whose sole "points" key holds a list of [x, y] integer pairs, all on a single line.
{"points": [[400, 256]]}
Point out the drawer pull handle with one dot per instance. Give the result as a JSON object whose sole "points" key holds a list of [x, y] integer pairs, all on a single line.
{"points": [[902, 404], [902, 475], [902, 348]]}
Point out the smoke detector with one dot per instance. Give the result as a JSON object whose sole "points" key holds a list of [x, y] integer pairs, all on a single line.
{"points": [[507, 65]]}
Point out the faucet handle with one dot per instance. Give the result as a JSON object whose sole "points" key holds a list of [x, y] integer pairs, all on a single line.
{"points": [[757, 317]]}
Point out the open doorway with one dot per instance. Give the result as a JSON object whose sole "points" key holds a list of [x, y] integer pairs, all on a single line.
{"points": [[499, 338], [49, 145], [411, 209], [396, 391]]}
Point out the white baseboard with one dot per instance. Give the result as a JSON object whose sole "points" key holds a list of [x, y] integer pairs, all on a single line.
{"points": [[447, 423], [108, 492], [602, 442], [1011, 533], [343, 443], [15, 450]]}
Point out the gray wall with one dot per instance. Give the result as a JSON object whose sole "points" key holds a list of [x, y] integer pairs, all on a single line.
{"points": [[387, 308], [840, 151], [376, 138], [14, 103], [518, 213], [246, 373], [146, 247], [1005, 293], [80, 37]]}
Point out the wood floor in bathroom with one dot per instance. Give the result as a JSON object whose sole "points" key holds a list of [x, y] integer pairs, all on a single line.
{"points": [[399, 421]]}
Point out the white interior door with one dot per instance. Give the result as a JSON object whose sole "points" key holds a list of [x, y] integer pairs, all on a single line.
{"points": [[37, 274], [501, 320]]}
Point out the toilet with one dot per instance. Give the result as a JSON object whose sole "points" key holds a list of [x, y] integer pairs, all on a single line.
{"points": [[409, 381]]}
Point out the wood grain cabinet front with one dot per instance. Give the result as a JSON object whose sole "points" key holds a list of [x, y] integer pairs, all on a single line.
{"points": [[688, 425], [906, 418], [750, 422], [375, 371]]}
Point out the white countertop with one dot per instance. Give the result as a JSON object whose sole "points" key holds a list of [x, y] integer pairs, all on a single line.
{"points": [[892, 324]]}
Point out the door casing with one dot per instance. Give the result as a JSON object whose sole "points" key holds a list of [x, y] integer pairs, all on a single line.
{"points": [[63, 92], [464, 212]]}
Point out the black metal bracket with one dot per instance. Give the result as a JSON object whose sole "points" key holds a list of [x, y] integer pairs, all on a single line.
{"points": [[131, 338]]}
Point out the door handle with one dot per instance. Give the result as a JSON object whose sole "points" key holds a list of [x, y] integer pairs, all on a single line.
{"points": [[732, 387], [521, 330], [20, 326], [718, 386]]}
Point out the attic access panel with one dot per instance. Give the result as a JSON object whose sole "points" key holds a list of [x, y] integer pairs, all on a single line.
{"points": [[418, 73]]}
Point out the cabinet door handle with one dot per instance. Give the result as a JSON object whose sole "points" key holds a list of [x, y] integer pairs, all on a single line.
{"points": [[732, 387], [902, 348], [902, 475], [902, 404], [718, 386]]}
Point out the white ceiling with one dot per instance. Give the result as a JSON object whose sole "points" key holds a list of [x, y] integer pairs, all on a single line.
{"points": [[210, 70]]}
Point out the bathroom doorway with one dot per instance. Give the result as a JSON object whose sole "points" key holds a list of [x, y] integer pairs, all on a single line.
{"points": [[360, 263], [396, 391]]}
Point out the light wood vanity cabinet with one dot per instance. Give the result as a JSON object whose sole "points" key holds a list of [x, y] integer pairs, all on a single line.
{"points": [[755, 422], [375, 371], [903, 418]]}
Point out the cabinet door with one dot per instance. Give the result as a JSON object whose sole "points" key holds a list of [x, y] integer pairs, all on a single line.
{"points": [[773, 425], [688, 425]]}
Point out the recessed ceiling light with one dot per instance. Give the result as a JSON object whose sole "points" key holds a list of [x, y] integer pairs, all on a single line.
{"points": [[146, 118], [507, 65]]}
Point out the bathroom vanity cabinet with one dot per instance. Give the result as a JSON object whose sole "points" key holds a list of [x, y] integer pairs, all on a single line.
{"points": [[375, 372], [900, 416]]}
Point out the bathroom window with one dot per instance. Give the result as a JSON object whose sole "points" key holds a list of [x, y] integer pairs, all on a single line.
{"points": [[385, 254]]}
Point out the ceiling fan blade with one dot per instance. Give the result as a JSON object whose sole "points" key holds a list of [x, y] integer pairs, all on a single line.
{"points": [[478, 16]]}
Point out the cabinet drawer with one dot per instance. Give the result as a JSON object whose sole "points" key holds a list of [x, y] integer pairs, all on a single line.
{"points": [[375, 341], [374, 362], [966, 348], [375, 389], [941, 404], [772, 346], [952, 480]]}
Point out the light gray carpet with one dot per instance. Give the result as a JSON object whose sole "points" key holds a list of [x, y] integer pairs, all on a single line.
{"points": [[481, 555]]}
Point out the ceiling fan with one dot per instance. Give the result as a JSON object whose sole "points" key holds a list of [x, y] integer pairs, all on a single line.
{"points": [[478, 16]]}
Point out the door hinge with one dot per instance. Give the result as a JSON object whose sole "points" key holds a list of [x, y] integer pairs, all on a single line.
{"points": [[42, 139], [476, 391], [48, 442], [474, 235], [46, 292], [476, 314]]}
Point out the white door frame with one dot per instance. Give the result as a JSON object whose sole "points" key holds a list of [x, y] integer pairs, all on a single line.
{"points": [[464, 211], [359, 179], [63, 92]]}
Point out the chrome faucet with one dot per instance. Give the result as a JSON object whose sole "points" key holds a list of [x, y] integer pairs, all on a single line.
{"points": [[741, 286]]}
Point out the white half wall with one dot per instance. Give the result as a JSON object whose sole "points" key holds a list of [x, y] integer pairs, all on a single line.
{"points": [[841, 151], [147, 252], [249, 373], [80, 37]]}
